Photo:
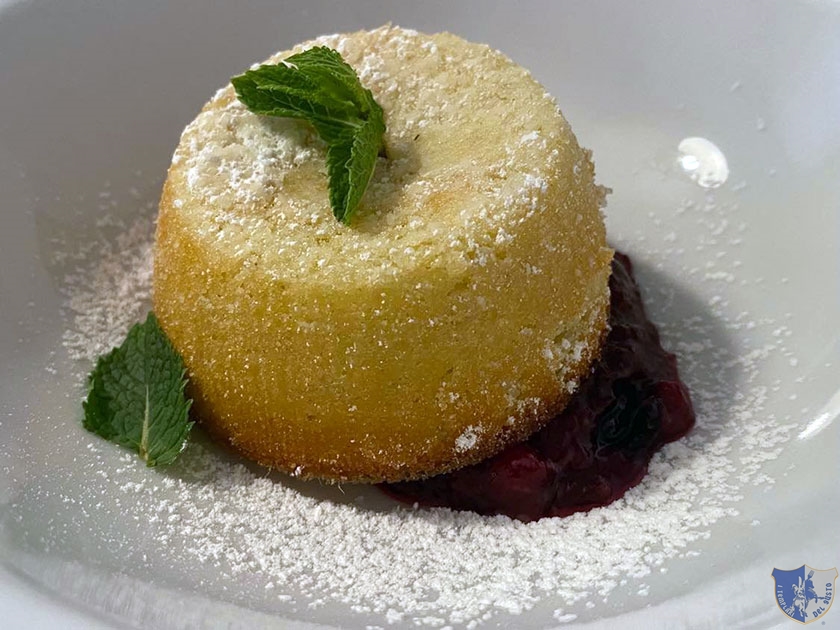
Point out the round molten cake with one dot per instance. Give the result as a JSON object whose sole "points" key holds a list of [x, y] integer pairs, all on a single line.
{"points": [[452, 316]]}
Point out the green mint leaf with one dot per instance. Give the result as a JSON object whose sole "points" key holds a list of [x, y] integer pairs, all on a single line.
{"points": [[136, 395], [318, 86], [350, 166]]}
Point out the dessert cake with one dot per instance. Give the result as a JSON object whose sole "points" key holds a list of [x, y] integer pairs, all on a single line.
{"points": [[454, 315]]}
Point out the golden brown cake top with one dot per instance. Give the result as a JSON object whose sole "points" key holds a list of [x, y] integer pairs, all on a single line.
{"points": [[474, 145]]}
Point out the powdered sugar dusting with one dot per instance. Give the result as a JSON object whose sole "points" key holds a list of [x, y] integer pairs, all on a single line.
{"points": [[468, 438], [108, 295]]}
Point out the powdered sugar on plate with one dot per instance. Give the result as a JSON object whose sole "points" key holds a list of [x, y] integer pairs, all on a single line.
{"points": [[113, 292], [280, 545]]}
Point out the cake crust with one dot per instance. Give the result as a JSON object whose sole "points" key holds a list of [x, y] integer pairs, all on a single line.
{"points": [[454, 315]]}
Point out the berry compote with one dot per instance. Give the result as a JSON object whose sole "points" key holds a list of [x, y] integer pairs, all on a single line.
{"points": [[589, 455]]}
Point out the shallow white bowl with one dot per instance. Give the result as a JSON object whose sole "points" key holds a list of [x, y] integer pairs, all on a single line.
{"points": [[94, 97]]}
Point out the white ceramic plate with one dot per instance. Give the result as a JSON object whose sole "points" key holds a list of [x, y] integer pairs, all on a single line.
{"points": [[94, 96]]}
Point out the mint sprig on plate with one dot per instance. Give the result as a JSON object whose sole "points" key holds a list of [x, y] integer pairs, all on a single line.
{"points": [[318, 86], [136, 395]]}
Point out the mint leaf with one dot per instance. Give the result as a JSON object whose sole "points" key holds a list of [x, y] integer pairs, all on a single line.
{"points": [[318, 86], [136, 395]]}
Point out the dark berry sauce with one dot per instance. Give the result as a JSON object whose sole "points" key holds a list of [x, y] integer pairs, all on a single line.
{"points": [[631, 404]]}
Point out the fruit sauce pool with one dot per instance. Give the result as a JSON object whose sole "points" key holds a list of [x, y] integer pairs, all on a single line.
{"points": [[599, 447]]}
